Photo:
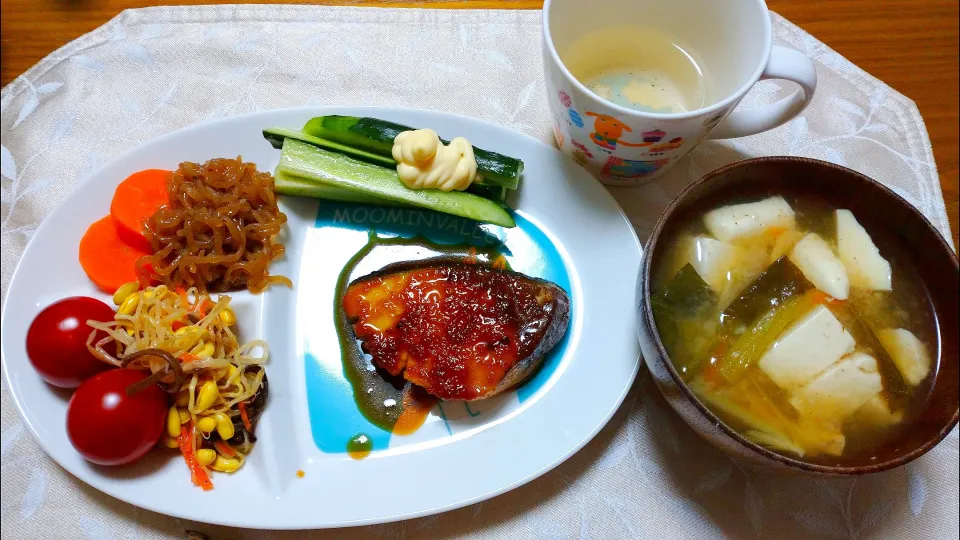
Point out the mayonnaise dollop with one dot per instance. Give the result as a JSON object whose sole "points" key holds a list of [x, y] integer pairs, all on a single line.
{"points": [[425, 162]]}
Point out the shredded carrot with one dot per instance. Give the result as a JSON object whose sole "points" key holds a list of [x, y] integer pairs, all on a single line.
{"points": [[186, 358], [243, 416], [224, 449], [203, 307], [197, 474], [183, 296]]}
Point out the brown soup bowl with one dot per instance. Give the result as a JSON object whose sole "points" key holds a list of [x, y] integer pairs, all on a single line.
{"points": [[896, 227]]}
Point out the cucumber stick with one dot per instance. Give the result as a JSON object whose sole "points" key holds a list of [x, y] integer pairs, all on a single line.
{"points": [[376, 136], [314, 164], [288, 184], [276, 136]]}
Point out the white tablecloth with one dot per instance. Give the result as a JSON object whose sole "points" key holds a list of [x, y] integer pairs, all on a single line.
{"points": [[154, 70]]}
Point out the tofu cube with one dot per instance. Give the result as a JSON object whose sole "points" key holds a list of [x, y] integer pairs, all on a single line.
{"points": [[876, 412], [805, 349], [907, 352], [839, 390], [783, 245], [740, 221], [711, 258], [860, 256], [813, 256]]}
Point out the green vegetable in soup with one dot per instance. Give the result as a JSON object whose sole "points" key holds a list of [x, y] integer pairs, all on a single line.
{"points": [[755, 407], [878, 309], [761, 335], [864, 333], [750, 411], [778, 283], [832, 393], [676, 308], [687, 292]]}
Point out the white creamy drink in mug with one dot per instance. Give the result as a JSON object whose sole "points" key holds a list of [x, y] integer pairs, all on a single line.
{"points": [[633, 85]]}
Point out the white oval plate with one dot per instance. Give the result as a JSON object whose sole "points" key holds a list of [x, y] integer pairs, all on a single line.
{"points": [[449, 463]]}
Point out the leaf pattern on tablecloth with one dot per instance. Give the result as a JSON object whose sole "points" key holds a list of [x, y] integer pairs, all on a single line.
{"points": [[917, 490], [646, 474], [33, 496]]}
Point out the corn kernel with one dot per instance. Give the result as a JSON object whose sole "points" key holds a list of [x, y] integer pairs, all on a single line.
{"points": [[228, 317], [129, 304], [223, 464], [125, 291], [173, 422], [227, 373], [170, 442], [224, 426], [206, 397], [206, 456], [183, 398], [184, 415], [206, 351], [206, 424]]}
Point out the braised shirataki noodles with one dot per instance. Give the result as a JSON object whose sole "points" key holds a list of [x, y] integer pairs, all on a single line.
{"points": [[217, 233]]}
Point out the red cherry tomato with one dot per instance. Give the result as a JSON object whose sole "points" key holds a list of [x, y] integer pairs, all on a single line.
{"points": [[107, 426], [57, 341]]}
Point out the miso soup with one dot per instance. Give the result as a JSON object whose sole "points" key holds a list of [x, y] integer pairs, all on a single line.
{"points": [[788, 322]]}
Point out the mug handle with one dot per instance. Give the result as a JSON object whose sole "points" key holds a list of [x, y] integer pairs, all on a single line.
{"points": [[784, 63]]}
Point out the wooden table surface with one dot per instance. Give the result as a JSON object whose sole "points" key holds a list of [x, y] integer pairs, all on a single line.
{"points": [[912, 45]]}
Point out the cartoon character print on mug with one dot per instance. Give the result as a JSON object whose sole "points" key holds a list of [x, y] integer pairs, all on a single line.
{"points": [[654, 147], [610, 147]]}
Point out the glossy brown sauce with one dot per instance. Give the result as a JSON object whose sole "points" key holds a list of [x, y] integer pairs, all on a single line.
{"points": [[359, 446], [417, 405], [380, 397], [454, 330]]}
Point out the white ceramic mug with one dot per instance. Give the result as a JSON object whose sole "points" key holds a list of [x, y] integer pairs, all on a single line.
{"points": [[622, 146]]}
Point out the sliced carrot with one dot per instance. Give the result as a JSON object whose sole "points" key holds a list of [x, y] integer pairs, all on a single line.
{"points": [[108, 261], [135, 200]]}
